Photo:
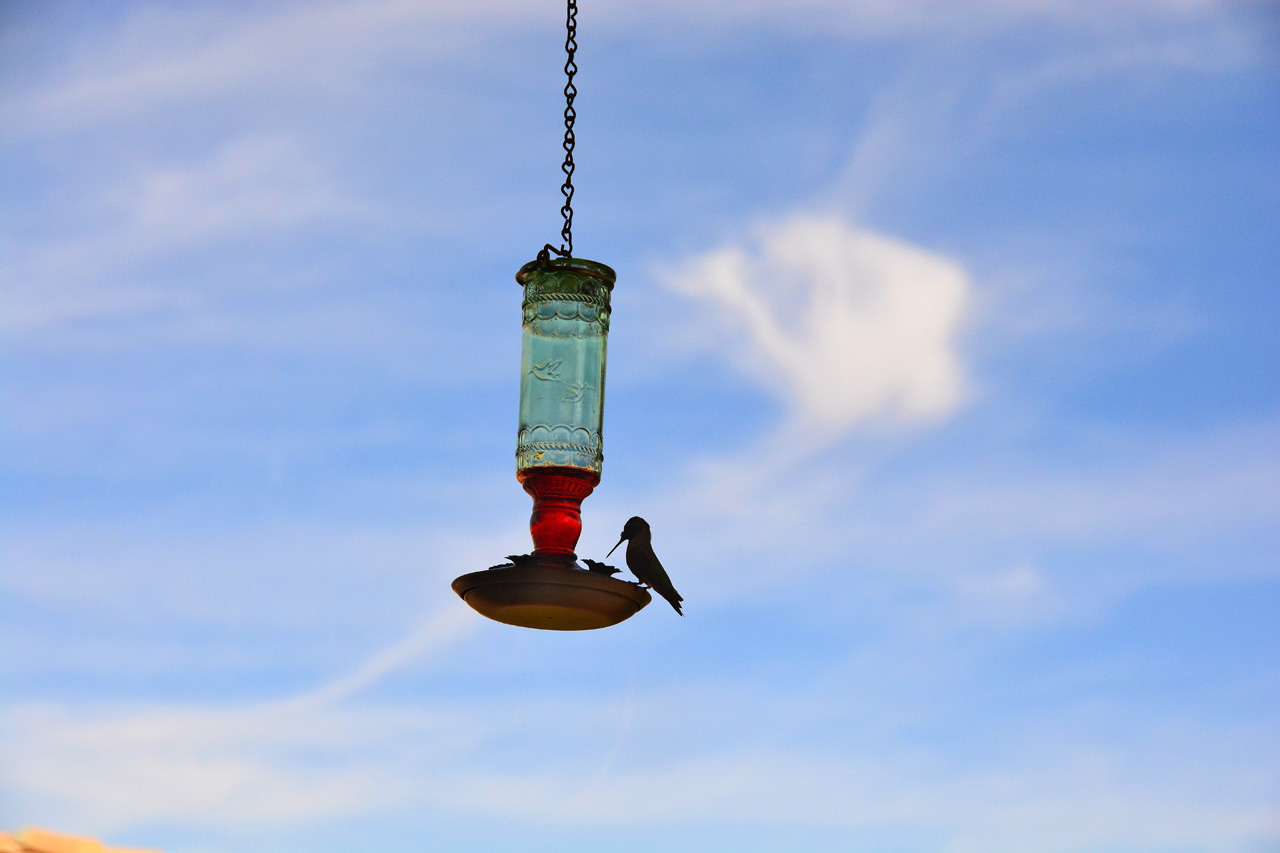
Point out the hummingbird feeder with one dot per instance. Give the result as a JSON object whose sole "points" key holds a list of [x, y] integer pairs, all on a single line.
{"points": [[559, 447]]}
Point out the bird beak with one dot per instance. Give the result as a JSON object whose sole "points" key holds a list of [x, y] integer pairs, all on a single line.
{"points": [[621, 539]]}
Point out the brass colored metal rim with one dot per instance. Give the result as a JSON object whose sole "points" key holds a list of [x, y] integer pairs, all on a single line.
{"points": [[553, 575], [581, 266]]}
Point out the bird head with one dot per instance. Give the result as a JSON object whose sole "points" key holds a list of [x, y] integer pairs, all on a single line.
{"points": [[636, 527]]}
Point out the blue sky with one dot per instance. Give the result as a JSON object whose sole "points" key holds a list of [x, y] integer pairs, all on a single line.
{"points": [[943, 364]]}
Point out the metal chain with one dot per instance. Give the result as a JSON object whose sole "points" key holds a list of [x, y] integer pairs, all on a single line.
{"points": [[570, 115]]}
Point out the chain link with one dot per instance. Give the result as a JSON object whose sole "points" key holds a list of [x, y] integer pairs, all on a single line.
{"points": [[570, 115]]}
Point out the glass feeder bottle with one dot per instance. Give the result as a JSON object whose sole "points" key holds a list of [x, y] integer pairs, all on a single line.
{"points": [[559, 446]]}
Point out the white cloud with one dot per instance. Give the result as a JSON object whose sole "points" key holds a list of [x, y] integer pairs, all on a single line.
{"points": [[232, 763], [985, 539], [207, 765], [954, 104], [429, 636], [1012, 595], [250, 184], [249, 187], [279, 763], [843, 325], [1173, 492], [157, 57]]}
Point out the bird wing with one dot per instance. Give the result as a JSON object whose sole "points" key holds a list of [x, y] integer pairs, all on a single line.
{"points": [[652, 573]]}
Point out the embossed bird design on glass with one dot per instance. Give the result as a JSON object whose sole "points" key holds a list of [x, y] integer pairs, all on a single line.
{"points": [[548, 371]]}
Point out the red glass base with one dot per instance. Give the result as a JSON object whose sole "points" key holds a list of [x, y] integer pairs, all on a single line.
{"points": [[557, 493]]}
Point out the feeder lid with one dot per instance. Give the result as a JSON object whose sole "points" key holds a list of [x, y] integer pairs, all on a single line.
{"points": [[580, 266]]}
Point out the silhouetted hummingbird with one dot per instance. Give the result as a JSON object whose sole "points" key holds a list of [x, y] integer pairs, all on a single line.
{"points": [[643, 563]]}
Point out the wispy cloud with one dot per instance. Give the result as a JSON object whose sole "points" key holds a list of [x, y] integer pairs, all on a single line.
{"points": [[159, 58], [280, 763], [238, 763], [429, 636], [842, 325], [250, 188], [981, 540], [949, 107], [249, 185]]}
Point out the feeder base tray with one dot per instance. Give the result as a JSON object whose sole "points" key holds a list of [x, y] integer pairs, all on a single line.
{"points": [[552, 594]]}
